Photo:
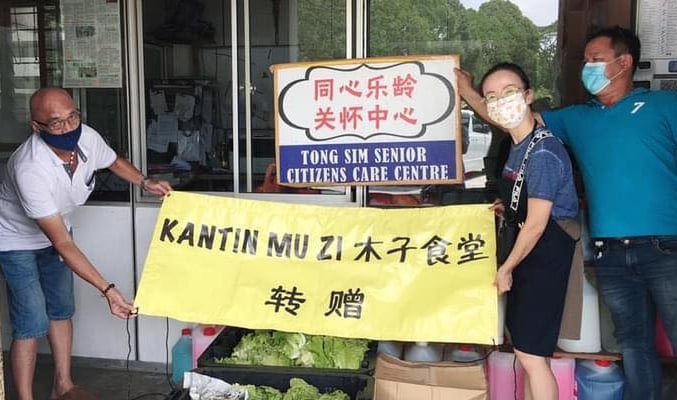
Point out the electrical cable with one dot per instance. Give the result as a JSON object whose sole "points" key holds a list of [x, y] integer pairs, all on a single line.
{"points": [[164, 396], [167, 374], [129, 353], [478, 359], [514, 375]]}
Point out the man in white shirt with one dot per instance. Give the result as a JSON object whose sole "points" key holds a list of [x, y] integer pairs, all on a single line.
{"points": [[46, 178]]}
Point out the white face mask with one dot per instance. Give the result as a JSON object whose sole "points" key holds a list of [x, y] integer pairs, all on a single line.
{"points": [[508, 112]]}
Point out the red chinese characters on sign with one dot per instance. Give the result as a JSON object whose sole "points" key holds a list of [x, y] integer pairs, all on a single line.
{"points": [[324, 88], [355, 116], [404, 86], [406, 115], [324, 118], [376, 87], [352, 87], [350, 117]]}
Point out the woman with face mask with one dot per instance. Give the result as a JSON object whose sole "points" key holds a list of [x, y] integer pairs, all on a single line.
{"points": [[537, 195]]}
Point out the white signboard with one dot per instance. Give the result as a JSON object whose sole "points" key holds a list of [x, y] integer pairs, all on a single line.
{"points": [[389, 121], [92, 48]]}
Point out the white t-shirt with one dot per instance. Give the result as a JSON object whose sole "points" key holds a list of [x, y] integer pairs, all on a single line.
{"points": [[37, 185]]}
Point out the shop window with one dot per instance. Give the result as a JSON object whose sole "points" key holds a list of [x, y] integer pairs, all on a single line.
{"points": [[19, 73], [31, 56]]}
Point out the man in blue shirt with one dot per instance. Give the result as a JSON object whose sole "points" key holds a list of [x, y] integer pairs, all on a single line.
{"points": [[625, 143]]}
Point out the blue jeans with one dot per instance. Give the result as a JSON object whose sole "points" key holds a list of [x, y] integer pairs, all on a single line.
{"points": [[39, 289], [635, 281]]}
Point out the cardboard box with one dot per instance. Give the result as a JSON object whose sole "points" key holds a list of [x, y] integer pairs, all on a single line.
{"points": [[404, 380]]}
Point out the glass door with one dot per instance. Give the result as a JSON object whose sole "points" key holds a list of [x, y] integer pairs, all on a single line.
{"points": [[186, 86], [277, 32], [210, 120]]}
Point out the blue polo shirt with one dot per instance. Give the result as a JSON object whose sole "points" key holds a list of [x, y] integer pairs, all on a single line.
{"points": [[627, 154]]}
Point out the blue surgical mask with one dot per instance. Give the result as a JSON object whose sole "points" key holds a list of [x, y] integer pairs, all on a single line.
{"points": [[594, 77], [66, 141]]}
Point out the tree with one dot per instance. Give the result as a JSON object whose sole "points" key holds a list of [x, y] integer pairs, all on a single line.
{"points": [[322, 29], [500, 33], [497, 32], [402, 27], [548, 67]]}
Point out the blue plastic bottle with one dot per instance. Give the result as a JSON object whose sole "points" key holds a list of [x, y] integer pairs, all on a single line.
{"points": [[182, 356], [599, 380]]}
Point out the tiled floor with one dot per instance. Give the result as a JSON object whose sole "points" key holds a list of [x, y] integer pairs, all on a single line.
{"points": [[109, 380]]}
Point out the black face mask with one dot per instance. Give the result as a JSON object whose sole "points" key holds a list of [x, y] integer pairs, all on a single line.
{"points": [[65, 141]]}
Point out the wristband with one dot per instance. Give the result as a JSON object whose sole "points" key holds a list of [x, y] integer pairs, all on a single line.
{"points": [[144, 179], [109, 287]]}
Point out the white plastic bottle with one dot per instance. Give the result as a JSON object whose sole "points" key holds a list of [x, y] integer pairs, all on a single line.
{"points": [[391, 348], [423, 351], [590, 340]]}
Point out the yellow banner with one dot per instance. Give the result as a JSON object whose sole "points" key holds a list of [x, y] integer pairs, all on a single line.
{"points": [[417, 274]]}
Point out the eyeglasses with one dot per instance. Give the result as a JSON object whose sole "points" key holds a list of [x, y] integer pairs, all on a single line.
{"points": [[493, 97], [58, 124]]}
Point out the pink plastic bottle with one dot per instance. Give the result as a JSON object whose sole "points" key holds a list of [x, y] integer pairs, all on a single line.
{"points": [[502, 377], [203, 336], [564, 370]]}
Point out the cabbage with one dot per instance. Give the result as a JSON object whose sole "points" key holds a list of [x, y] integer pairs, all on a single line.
{"points": [[334, 352], [314, 354], [291, 343], [335, 395], [301, 390], [263, 393], [298, 390], [284, 349], [258, 348], [348, 353]]}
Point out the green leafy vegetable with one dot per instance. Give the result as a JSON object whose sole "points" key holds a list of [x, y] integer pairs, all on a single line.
{"points": [[346, 353], [301, 390], [335, 395], [258, 348], [298, 390], [291, 343], [263, 393], [275, 348]]}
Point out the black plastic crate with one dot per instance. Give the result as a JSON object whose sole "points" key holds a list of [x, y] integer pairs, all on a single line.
{"points": [[224, 344], [357, 386]]}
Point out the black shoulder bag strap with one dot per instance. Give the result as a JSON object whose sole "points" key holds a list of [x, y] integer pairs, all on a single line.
{"points": [[538, 135]]}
